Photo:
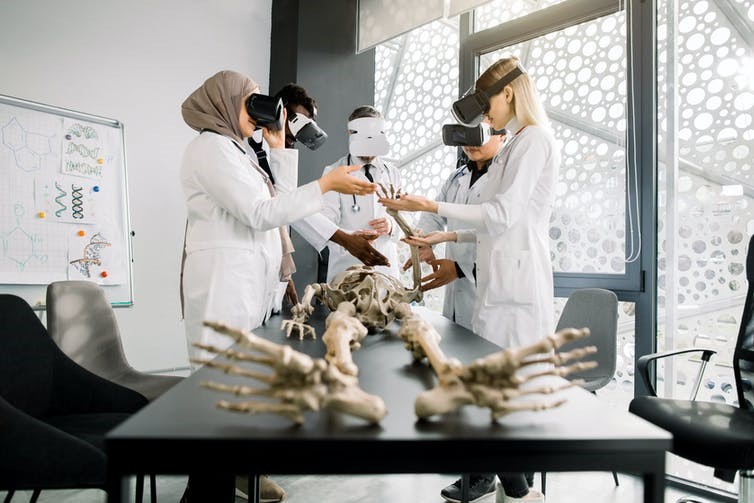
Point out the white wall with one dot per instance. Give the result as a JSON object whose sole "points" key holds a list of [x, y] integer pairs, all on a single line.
{"points": [[136, 61]]}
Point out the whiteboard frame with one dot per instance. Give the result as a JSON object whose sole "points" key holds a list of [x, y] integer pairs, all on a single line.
{"points": [[72, 114]]}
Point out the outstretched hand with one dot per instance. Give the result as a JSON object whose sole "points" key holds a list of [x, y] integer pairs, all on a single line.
{"points": [[360, 246], [431, 239], [425, 255], [409, 202], [340, 180]]}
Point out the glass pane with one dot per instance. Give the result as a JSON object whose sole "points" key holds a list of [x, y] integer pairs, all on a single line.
{"points": [[501, 11], [706, 142], [378, 21], [580, 73], [416, 82]]}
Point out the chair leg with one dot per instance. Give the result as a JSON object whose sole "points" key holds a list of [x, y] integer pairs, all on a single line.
{"points": [[9, 496], [615, 478], [544, 482], [139, 488], [465, 485], [153, 488], [35, 496]]}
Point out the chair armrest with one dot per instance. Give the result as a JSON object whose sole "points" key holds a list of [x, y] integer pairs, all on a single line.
{"points": [[76, 390], [644, 361], [35, 455]]}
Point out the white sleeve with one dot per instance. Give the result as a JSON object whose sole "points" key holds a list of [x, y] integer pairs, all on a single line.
{"points": [[429, 222], [523, 170], [228, 179], [284, 168], [316, 229], [331, 209], [471, 213]]}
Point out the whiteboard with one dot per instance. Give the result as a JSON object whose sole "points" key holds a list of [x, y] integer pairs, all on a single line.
{"points": [[63, 201]]}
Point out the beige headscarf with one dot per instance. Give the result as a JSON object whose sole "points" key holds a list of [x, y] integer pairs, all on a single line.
{"points": [[217, 103]]}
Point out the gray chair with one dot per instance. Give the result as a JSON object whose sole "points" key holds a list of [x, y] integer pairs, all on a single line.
{"points": [[82, 323], [596, 309]]}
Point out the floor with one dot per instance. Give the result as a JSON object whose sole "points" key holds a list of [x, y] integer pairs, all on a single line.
{"points": [[587, 487]]}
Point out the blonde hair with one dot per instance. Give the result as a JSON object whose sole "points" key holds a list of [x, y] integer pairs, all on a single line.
{"points": [[526, 103]]}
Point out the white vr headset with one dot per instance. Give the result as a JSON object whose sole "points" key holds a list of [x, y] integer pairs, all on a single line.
{"points": [[306, 131], [367, 137]]}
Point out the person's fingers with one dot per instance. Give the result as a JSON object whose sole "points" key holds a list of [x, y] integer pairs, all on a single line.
{"points": [[352, 168], [429, 277], [432, 285], [416, 241], [408, 264]]}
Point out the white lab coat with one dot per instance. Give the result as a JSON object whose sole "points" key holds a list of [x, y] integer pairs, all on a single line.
{"points": [[233, 245], [316, 229], [338, 208], [460, 294], [514, 304]]}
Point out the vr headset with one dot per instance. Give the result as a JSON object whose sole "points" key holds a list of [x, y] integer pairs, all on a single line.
{"points": [[266, 111], [457, 135], [306, 131], [470, 109], [367, 137]]}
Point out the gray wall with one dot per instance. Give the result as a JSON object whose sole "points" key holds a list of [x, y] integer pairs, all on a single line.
{"points": [[313, 44], [136, 61]]}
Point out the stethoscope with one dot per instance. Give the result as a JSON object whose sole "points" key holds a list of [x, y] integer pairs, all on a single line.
{"points": [[355, 206]]}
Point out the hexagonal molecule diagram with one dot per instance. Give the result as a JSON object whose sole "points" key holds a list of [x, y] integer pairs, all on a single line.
{"points": [[28, 147], [18, 245]]}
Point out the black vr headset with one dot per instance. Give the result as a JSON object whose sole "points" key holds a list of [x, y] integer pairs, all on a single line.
{"points": [[266, 111], [458, 135], [470, 109], [306, 131]]}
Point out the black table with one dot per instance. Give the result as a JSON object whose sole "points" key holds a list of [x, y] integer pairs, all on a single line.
{"points": [[183, 432]]}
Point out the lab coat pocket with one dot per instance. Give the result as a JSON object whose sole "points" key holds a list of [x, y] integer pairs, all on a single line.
{"points": [[511, 278]]}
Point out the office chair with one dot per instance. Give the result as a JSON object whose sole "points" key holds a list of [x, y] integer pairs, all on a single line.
{"points": [[54, 414], [713, 434], [596, 309], [82, 323]]}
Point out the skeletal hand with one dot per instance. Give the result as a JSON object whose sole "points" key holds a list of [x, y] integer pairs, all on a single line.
{"points": [[297, 381], [491, 381]]}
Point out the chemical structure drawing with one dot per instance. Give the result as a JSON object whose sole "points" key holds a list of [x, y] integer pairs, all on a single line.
{"points": [[28, 148], [19, 246], [92, 255]]}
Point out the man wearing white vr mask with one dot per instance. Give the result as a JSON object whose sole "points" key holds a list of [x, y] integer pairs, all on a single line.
{"points": [[361, 214]]}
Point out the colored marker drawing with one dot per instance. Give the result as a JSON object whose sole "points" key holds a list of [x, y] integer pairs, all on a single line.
{"points": [[92, 255], [82, 169], [83, 150], [82, 131]]}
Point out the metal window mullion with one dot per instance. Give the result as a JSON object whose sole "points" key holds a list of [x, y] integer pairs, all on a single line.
{"points": [[642, 17]]}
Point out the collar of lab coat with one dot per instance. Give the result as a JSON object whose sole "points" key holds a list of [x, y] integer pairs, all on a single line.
{"points": [[512, 127]]}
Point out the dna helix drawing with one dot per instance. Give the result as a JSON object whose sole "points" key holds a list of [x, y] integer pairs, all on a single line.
{"points": [[77, 202], [59, 199], [83, 150], [79, 130]]}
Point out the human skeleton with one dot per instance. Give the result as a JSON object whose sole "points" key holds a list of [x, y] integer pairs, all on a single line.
{"points": [[361, 299]]}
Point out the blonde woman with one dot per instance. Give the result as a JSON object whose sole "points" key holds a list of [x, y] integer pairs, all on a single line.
{"points": [[514, 303]]}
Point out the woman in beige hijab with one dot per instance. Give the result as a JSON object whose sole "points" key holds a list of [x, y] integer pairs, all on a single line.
{"points": [[237, 252]]}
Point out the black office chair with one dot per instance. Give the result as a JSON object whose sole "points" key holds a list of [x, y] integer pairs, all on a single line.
{"points": [[54, 414], [712, 434]]}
